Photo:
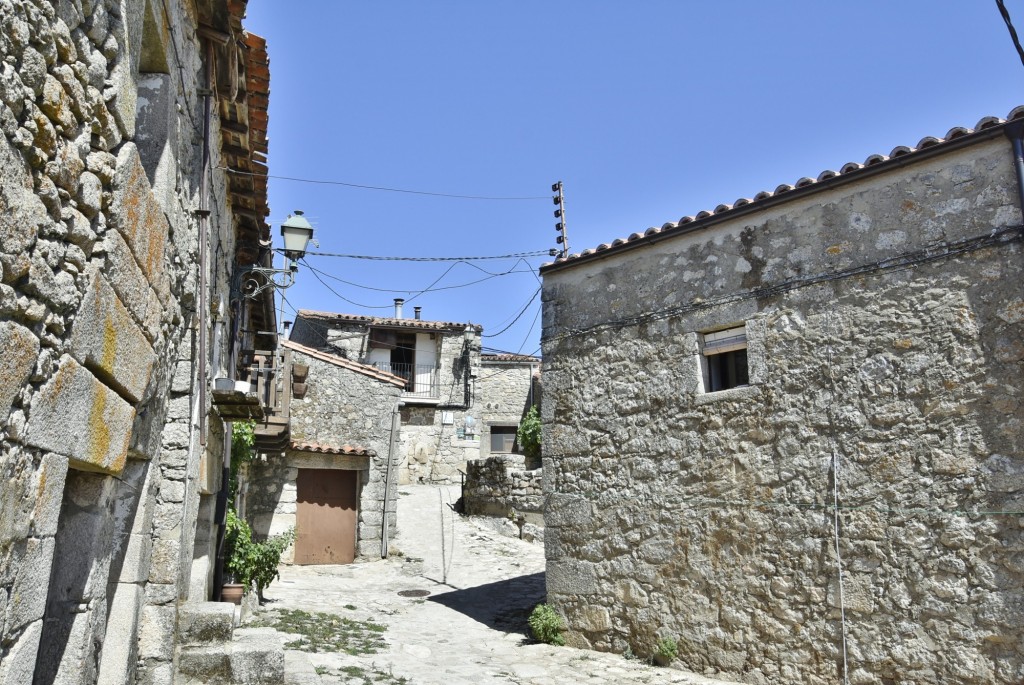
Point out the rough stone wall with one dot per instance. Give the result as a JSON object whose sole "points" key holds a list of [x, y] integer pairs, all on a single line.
{"points": [[98, 244], [341, 407], [897, 391], [499, 485], [504, 393]]}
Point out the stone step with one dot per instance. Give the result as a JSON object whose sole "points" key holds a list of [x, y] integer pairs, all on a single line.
{"points": [[205, 623], [254, 657], [257, 657]]}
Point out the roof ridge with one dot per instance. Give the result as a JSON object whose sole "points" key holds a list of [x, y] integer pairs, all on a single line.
{"points": [[956, 133]]}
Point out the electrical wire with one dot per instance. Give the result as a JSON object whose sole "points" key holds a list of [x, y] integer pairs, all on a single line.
{"points": [[1009, 26], [835, 494], [534, 253], [430, 288], [906, 260], [363, 186], [521, 312]]}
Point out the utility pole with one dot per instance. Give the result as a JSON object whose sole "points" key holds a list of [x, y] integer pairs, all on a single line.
{"points": [[559, 199]]}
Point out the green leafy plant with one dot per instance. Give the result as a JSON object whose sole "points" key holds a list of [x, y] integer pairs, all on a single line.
{"points": [[546, 625], [250, 562], [667, 649], [243, 437], [529, 434]]}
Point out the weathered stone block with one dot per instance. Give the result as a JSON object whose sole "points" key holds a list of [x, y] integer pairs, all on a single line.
{"points": [[19, 358], [21, 211], [28, 595], [135, 213], [49, 491], [571, 577], [257, 658], [19, 662], [205, 623], [131, 285], [164, 565], [156, 632], [106, 340], [77, 416], [118, 658]]}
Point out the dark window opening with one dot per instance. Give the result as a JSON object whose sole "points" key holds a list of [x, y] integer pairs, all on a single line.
{"points": [[503, 439], [727, 370]]}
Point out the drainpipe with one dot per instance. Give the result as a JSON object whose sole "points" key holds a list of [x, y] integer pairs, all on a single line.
{"points": [[395, 427], [1015, 132], [204, 239]]}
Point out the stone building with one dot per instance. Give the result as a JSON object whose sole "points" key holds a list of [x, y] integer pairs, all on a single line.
{"points": [[337, 480], [787, 431], [456, 404], [119, 235], [508, 386]]}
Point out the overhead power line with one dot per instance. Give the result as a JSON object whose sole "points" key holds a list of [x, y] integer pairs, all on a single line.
{"points": [[384, 188], [514, 255], [1009, 26]]}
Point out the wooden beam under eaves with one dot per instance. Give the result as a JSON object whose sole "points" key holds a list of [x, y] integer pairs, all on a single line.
{"points": [[234, 126]]}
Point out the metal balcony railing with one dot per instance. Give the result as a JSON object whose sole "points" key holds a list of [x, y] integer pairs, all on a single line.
{"points": [[421, 380]]}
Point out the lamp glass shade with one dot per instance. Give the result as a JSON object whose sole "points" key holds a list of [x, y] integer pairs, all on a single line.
{"points": [[296, 232]]}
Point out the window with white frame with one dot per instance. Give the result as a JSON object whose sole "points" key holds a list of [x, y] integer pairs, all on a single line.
{"points": [[725, 359]]}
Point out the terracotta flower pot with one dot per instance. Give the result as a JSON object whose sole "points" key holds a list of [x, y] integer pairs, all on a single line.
{"points": [[232, 592]]}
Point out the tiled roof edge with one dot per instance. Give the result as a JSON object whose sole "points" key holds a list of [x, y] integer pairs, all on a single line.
{"points": [[319, 448], [365, 369], [388, 321], [522, 358], [956, 138]]}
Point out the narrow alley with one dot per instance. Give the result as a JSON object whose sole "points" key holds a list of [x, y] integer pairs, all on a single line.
{"points": [[470, 628]]}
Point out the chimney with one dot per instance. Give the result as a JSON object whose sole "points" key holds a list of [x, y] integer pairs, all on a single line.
{"points": [[416, 312], [398, 307]]}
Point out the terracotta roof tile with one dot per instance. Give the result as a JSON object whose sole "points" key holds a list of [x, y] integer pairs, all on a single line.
{"points": [[385, 321], [319, 448], [508, 357], [850, 169], [365, 369]]}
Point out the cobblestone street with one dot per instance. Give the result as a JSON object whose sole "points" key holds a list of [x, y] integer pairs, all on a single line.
{"points": [[470, 628]]}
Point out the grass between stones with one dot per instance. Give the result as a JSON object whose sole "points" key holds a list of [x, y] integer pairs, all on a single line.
{"points": [[321, 632]]}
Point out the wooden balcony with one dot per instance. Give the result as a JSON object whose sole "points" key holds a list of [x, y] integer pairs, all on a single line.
{"points": [[266, 400]]}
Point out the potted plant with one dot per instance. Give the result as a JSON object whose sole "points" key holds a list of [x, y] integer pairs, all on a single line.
{"points": [[252, 563], [666, 650]]}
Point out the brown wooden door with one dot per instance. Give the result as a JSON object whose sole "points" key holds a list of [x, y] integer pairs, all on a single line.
{"points": [[325, 516]]}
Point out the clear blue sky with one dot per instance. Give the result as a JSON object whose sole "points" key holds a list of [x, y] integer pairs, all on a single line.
{"points": [[647, 111]]}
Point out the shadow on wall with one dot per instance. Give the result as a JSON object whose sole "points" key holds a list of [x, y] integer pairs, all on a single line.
{"points": [[504, 605]]}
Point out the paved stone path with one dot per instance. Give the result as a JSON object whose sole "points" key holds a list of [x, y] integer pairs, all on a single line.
{"points": [[472, 626]]}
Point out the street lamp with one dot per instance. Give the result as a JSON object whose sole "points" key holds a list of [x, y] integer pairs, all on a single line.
{"points": [[296, 233]]}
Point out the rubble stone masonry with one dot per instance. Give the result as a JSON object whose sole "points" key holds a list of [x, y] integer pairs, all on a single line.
{"points": [[98, 247], [891, 387]]}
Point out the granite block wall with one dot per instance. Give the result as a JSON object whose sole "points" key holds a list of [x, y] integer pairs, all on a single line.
{"points": [[857, 507], [98, 294]]}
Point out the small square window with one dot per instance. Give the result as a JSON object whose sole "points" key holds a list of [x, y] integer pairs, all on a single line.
{"points": [[725, 359], [503, 439]]}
